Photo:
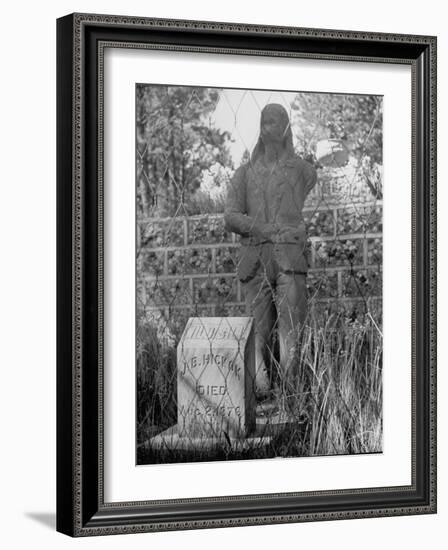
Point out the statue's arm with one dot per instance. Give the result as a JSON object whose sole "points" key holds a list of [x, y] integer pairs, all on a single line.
{"points": [[307, 178], [235, 215], [310, 177]]}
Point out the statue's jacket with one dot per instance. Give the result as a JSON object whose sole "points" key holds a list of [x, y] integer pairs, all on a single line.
{"points": [[261, 201]]}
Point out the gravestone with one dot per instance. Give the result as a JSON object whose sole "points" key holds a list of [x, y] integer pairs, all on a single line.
{"points": [[215, 378], [216, 403]]}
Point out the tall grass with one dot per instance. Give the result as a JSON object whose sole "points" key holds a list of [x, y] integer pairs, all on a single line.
{"points": [[335, 396], [338, 389]]}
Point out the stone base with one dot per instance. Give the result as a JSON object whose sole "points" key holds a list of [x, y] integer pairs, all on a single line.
{"points": [[269, 423]]}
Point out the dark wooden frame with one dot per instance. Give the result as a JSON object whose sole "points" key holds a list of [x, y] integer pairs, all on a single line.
{"points": [[81, 510]]}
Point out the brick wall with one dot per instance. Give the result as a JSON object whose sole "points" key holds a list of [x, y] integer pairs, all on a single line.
{"points": [[186, 265]]}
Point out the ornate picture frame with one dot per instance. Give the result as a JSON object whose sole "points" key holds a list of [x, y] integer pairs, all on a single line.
{"points": [[81, 506]]}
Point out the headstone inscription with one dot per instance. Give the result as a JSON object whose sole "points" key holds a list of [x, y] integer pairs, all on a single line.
{"points": [[215, 378]]}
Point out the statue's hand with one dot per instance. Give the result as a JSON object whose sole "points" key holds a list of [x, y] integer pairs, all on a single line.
{"points": [[266, 232], [291, 234]]}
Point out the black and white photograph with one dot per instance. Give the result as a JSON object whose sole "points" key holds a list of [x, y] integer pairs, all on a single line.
{"points": [[258, 273], [222, 239]]}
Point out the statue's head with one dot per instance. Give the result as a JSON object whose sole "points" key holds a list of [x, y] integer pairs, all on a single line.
{"points": [[274, 123], [275, 128]]}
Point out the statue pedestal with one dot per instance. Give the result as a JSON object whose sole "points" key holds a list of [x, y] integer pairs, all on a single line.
{"points": [[267, 426]]}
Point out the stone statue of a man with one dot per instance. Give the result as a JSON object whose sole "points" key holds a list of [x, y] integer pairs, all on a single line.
{"points": [[264, 206]]}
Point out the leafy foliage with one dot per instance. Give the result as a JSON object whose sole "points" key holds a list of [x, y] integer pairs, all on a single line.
{"points": [[176, 142], [357, 120]]}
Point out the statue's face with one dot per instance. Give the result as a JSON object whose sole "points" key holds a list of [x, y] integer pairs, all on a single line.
{"points": [[273, 126]]}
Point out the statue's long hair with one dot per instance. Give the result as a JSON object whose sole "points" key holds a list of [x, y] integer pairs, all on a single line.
{"points": [[279, 111]]}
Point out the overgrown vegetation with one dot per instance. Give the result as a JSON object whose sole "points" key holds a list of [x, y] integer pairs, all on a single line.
{"points": [[336, 399]]}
